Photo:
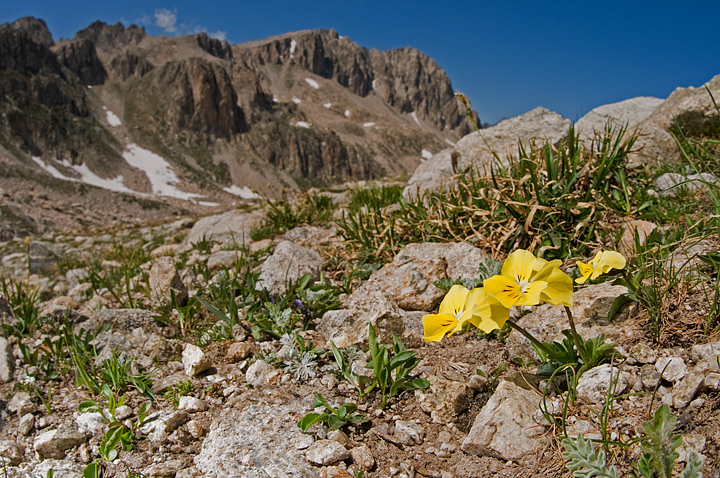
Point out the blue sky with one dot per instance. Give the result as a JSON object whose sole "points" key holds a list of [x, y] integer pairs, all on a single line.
{"points": [[507, 56]]}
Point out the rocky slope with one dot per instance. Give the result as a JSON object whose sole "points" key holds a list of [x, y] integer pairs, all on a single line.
{"points": [[231, 407], [305, 108], [229, 390]]}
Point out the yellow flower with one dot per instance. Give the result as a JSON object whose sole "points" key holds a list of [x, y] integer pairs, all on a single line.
{"points": [[455, 309], [525, 280], [559, 288], [489, 314], [600, 264]]}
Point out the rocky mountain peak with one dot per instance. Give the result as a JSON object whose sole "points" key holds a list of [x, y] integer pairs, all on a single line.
{"points": [[412, 82], [109, 37], [35, 28], [213, 46]]}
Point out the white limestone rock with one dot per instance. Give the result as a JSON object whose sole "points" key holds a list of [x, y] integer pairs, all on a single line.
{"points": [[326, 452], [475, 151], [595, 384], [672, 369], [504, 427], [289, 262], [7, 362], [56, 443], [194, 360]]}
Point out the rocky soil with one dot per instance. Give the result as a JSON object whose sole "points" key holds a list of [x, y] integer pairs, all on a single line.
{"points": [[227, 399], [238, 414]]}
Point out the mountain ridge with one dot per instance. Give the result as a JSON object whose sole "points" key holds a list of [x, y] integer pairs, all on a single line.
{"points": [[289, 111]]}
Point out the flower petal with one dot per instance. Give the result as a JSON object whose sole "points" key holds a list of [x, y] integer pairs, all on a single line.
{"points": [[531, 296], [454, 301], [585, 271], [519, 266], [559, 288], [475, 299], [612, 260], [505, 290], [490, 316], [437, 325]]}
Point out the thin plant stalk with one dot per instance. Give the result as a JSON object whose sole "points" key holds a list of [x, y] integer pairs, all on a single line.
{"points": [[576, 337], [529, 336]]}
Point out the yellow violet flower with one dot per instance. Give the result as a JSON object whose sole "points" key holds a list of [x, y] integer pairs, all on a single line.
{"points": [[455, 310], [489, 314], [600, 264], [461, 305], [559, 288], [525, 280]]}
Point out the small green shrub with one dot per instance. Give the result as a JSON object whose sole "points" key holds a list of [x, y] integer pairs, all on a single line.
{"points": [[391, 365], [334, 419]]}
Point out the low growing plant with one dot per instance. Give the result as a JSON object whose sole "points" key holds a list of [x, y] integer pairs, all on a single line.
{"points": [[391, 365], [659, 445], [333, 418], [526, 280], [118, 432]]}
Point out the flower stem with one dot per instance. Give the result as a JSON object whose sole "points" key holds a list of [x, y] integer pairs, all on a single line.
{"points": [[529, 336], [578, 340]]}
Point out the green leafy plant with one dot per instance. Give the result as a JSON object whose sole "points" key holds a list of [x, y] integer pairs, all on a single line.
{"points": [[185, 317], [115, 372], [493, 376], [118, 432], [392, 366], [284, 214], [23, 301], [334, 419], [583, 462], [659, 448], [657, 461], [300, 358], [174, 393], [344, 361]]}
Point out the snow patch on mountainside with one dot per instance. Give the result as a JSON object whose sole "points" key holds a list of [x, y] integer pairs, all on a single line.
{"points": [[159, 172], [243, 192], [113, 119]]}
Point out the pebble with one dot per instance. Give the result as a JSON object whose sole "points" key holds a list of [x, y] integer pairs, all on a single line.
{"points": [[191, 404], [123, 411], [712, 381], [672, 369], [326, 452], [21, 404], [196, 429], [194, 360], [408, 432], [339, 436], [27, 422], [363, 457]]}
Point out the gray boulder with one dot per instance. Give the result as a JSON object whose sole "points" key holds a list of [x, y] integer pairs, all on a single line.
{"points": [[434, 174], [505, 427], [56, 443], [349, 327], [164, 280], [691, 107], [43, 256], [409, 279], [475, 151], [627, 113], [289, 262], [258, 437], [7, 362], [226, 228]]}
